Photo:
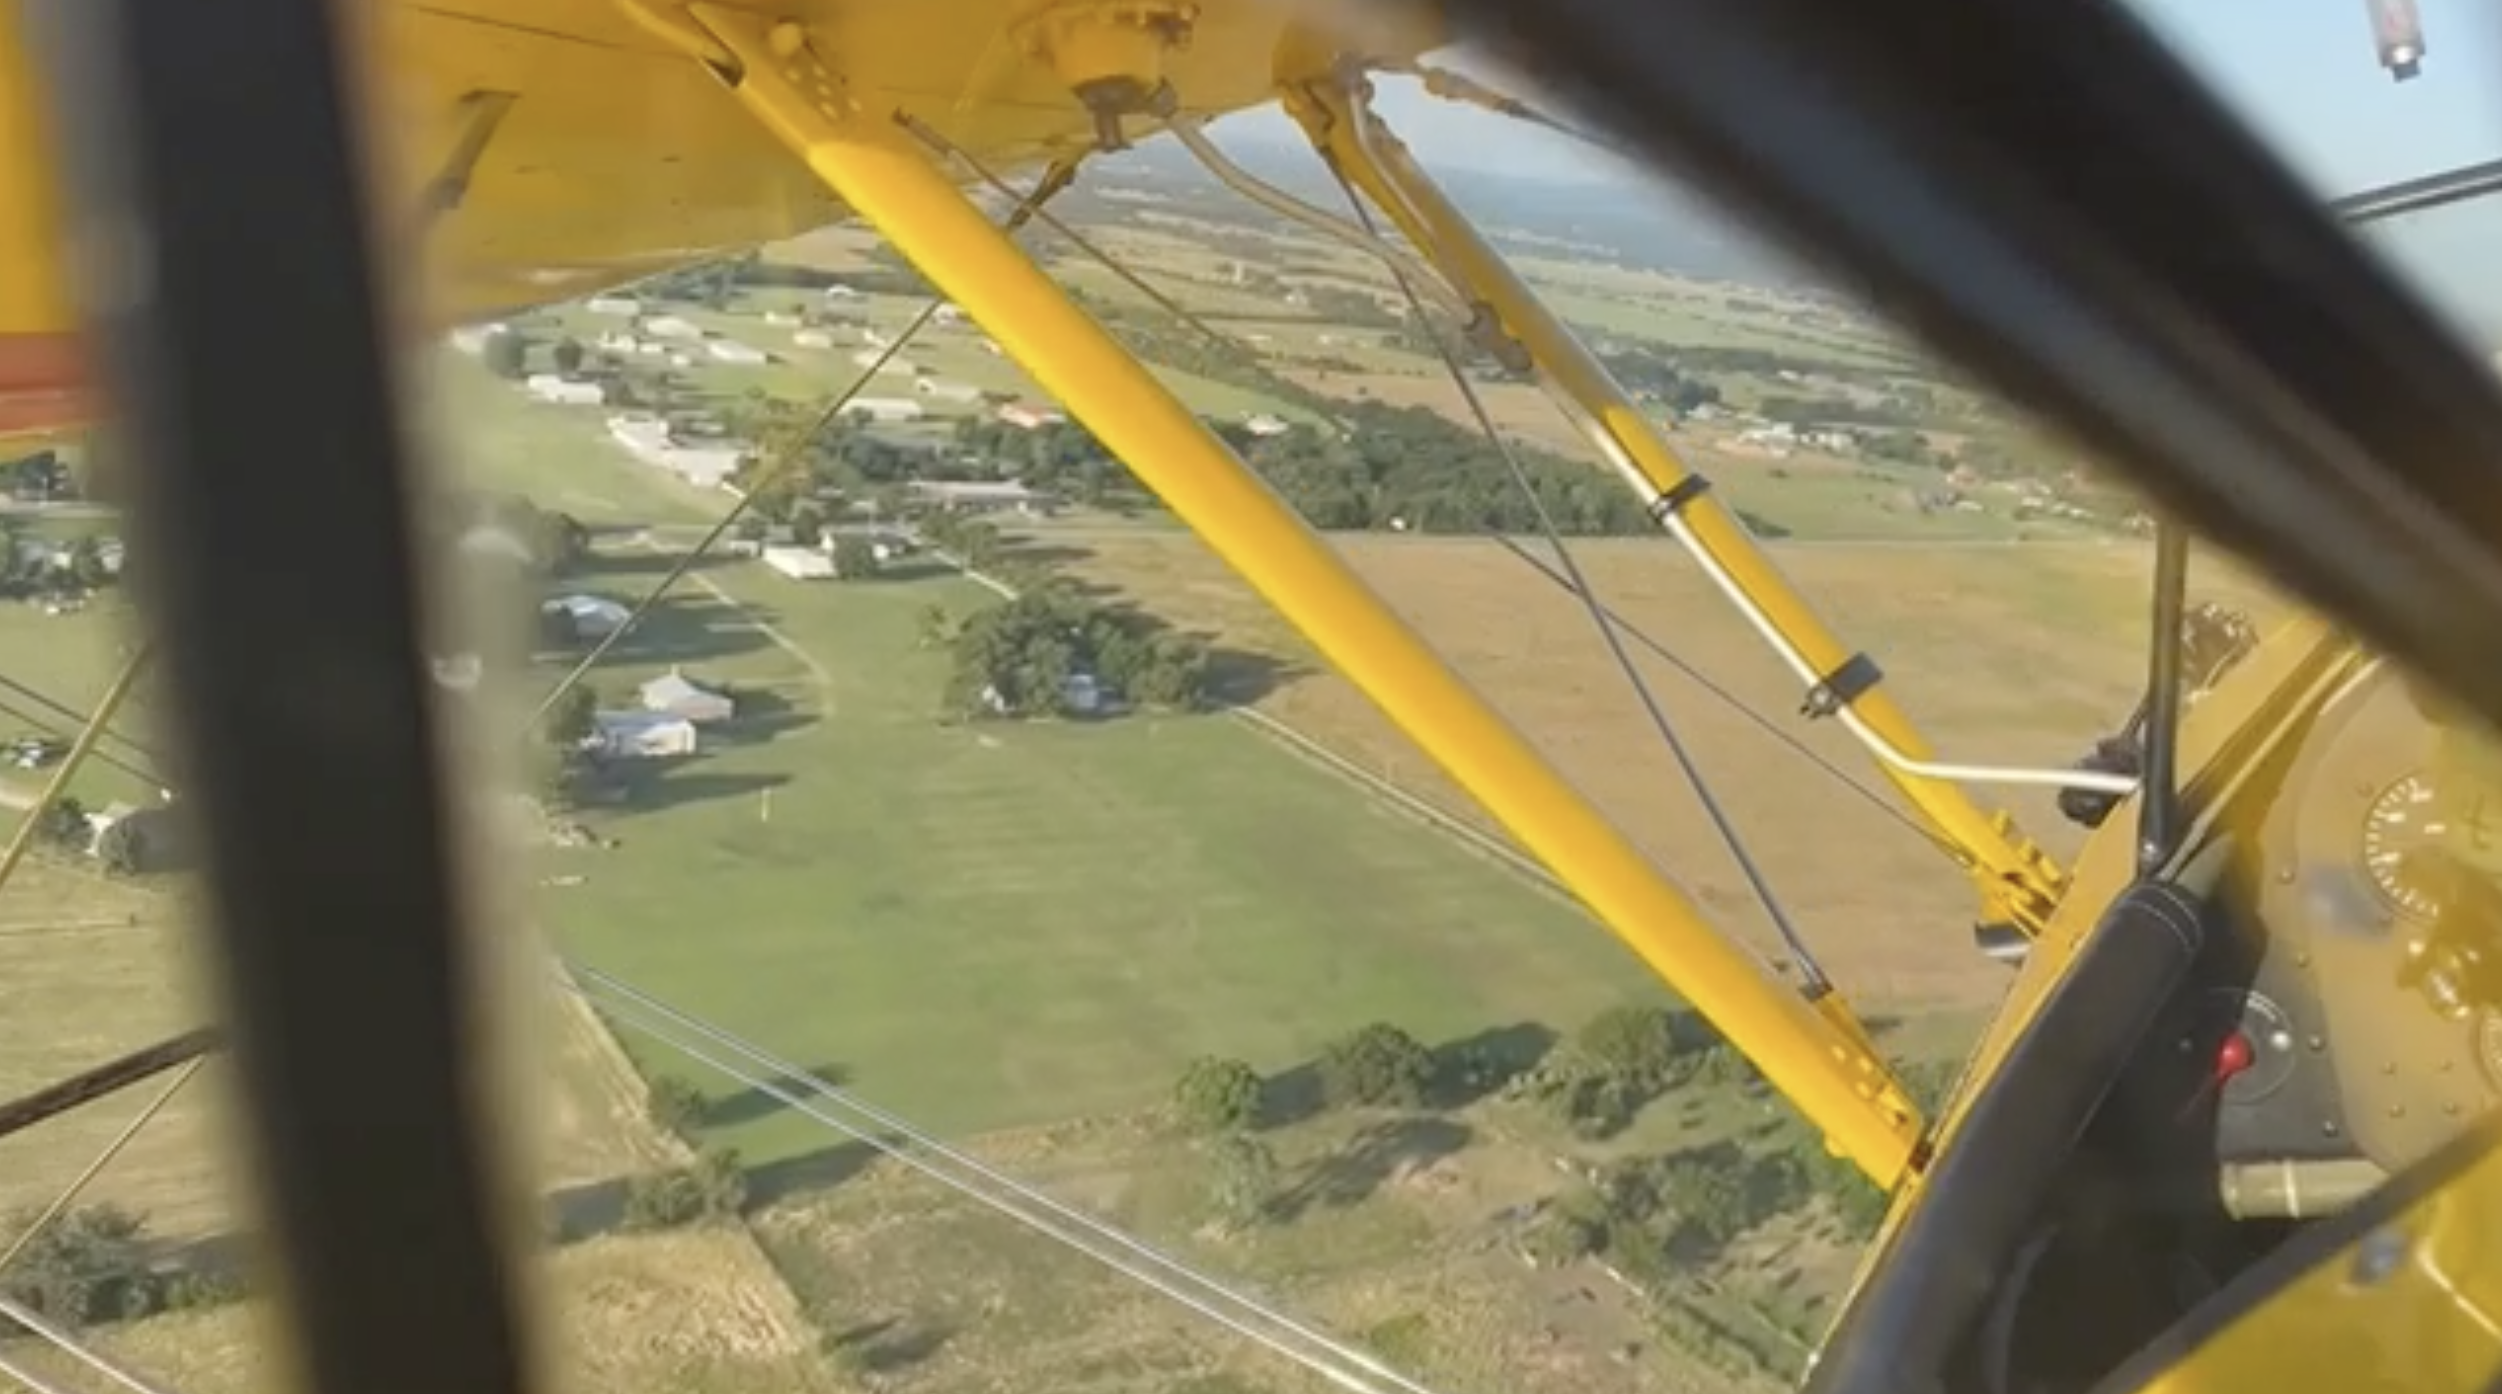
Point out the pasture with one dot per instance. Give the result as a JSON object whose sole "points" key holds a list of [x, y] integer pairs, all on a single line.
{"points": [[997, 925], [2002, 654]]}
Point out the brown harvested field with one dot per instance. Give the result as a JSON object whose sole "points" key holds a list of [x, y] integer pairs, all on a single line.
{"points": [[91, 969], [1520, 409], [2002, 654], [80, 982], [844, 247]]}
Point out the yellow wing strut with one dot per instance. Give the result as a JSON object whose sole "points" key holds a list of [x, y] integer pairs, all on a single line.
{"points": [[870, 163], [2019, 883]]}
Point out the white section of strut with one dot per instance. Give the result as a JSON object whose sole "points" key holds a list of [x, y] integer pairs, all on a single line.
{"points": [[639, 1010], [1886, 752]]}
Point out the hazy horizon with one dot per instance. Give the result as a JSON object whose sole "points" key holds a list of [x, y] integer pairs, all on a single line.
{"points": [[2302, 73]]}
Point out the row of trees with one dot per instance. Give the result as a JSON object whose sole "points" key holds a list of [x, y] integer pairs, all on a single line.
{"points": [[1655, 375], [1653, 1211], [1412, 469]]}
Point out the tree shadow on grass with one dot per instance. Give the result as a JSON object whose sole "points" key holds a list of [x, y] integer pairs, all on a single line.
{"points": [[672, 784], [764, 713], [586, 1210], [887, 1345], [751, 1104], [1466, 1069], [1382, 1150], [809, 1172]]}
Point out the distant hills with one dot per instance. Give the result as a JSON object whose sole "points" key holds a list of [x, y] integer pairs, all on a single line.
{"points": [[1636, 223]]}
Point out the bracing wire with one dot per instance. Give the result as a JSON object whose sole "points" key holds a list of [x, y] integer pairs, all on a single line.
{"points": [[62, 711], [1346, 1365], [793, 452], [1743, 708], [1183, 316], [32, 1321], [1811, 975]]}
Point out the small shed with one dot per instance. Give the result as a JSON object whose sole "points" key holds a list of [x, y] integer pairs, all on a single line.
{"points": [[135, 839], [678, 695]]}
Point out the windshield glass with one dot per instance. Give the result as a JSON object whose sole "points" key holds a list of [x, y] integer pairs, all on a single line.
{"points": [[2311, 80], [972, 893]]}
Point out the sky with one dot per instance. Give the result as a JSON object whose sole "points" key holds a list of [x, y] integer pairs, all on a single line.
{"points": [[2304, 73]]}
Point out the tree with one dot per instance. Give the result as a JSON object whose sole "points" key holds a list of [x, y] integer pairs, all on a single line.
{"points": [[118, 848], [977, 544], [1569, 1227], [507, 355], [65, 823], [1216, 1096], [567, 353], [572, 718], [714, 1188], [1645, 1044], [676, 1106], [936, 626], [89, 1265], [1599, 1106], [1018, 659], [1242, 1178], [86, 563], [1378, 1065], [558, 542], [854, 558]]}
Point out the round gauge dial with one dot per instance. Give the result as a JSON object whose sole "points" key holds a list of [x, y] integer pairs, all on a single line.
{"points": [[2400, 830]]}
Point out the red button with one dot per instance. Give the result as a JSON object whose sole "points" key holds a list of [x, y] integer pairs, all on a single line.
{"points": [[2232, 1056]]}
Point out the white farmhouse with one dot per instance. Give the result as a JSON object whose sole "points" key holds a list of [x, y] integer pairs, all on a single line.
{"points": [[641, 735]]}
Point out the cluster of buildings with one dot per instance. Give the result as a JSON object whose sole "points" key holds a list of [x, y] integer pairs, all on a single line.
{"points": [[673, 709]]}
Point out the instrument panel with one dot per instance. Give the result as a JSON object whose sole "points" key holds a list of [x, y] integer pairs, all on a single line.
{"points": [[2338, 1037]]}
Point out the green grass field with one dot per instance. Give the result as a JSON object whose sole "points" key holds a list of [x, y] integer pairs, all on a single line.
{"points": [[995, 925], [999, 924]]}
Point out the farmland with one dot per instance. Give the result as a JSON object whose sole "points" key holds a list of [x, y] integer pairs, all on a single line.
{"points": [[95, 968], [1019, 933]]}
